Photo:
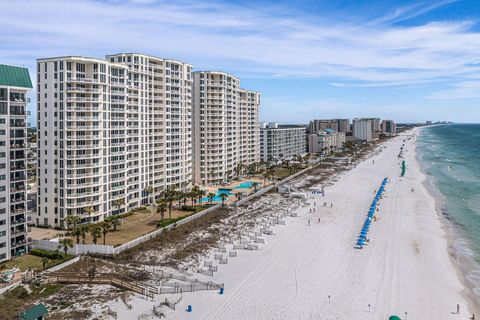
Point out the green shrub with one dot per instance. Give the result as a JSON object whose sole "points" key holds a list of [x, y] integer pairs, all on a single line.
{"points": [[52, 255]]}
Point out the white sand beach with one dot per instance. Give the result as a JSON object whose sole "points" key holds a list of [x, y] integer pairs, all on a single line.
{"points": [[313, 271]]}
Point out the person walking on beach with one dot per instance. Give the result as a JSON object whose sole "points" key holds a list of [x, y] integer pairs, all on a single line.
{"points": [[318, 220], [309, 222], [331, 205], [458, 308]]}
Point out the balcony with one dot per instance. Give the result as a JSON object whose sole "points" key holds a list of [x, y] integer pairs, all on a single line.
{"points": [[83, 99], [82, 80], [16, 222], [83, 90], [83, 156]]}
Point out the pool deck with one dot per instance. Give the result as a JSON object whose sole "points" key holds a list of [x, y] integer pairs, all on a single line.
{"points": [[232, 186]]}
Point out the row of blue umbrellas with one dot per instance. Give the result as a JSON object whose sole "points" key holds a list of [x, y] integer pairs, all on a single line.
{"points": [[371, 212]]}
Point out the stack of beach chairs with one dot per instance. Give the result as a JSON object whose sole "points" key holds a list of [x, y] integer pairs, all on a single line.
{"points": [[362, 238]]}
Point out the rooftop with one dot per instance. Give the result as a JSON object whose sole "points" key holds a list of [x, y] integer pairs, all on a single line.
{"points": [[15, 76]]}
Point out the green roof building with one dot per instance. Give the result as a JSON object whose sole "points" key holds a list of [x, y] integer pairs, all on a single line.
{"points": [[37, 312], [15, 77], [15, 83]]}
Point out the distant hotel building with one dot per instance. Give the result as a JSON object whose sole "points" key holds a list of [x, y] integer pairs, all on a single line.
{"points": [[389, 127], [325, 141], [226, 130], [339, 125], [15, 82], [279, 142], [112, 134], [363, 129]]}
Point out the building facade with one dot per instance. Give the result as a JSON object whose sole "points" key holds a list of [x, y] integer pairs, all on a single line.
{"points": [[15, 82], [278, 142], [362, 129], [339, 125], [389, 127], [225, 127], [112, 134], [325, 141]]}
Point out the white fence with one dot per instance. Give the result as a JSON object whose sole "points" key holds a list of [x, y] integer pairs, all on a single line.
{"points": [[79, 249]]}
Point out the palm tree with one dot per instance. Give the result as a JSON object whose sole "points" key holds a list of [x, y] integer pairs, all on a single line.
{"points": [[210, 196], [161, 208], [106, 227], [96, 232], [255, 186], [223, 196], [64, 244], [148, 190], [72, 221], [77, 232], [44, 263], [118, 203], [114, 220], [89, 211], [83, 232], [170, 197], [201, 194]]}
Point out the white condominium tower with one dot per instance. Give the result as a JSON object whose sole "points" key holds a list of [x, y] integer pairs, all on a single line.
{"points": [[103, 139], [160, 106], [225, 124], [14, 84]]}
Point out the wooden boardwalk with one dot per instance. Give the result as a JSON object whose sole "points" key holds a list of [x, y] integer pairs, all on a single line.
{"points": [[112, 279]]}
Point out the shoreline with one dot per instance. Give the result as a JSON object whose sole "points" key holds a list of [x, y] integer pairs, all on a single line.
{"points": [[451, 233]]}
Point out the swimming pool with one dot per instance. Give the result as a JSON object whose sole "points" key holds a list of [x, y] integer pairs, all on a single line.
{"points": [[244, 185], [217, 197]]}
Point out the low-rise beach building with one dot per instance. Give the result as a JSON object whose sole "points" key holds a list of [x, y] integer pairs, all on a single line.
{"points": [[325, 141]]}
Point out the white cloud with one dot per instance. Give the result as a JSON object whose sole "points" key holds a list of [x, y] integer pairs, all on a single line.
{"points": [[461, 90], [260, 43]]}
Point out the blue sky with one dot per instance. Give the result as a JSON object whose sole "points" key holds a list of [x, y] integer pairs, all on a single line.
{"points": [[404, 60]]}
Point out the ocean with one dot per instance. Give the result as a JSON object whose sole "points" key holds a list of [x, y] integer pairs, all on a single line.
{"points": [[450, 156]]}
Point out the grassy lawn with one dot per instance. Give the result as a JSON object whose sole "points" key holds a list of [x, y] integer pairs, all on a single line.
{"points": [[136, 225], [28, 261]]}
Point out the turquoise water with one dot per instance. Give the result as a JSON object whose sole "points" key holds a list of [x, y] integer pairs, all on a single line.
{"points": [[450, 154], [243, 185], [217, 195]]}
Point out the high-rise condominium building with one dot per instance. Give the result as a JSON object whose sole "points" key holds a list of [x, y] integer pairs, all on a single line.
{"points": [[160, 106], [278, 142], [362, 129], [389, 127], [343, 125], [14, 85], [322, 124], [112, 134], [225, 124]]}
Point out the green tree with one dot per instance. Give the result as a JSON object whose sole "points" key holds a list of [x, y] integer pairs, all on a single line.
{"points": [[83, 232], [223, 196], [114, 220], [72, 220], [64, 244], [255, 186], [44, 263], [210, 196], [161, 208], [170, 197], [77, 232], [89, 211], [106, 227], [96, 232]]}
